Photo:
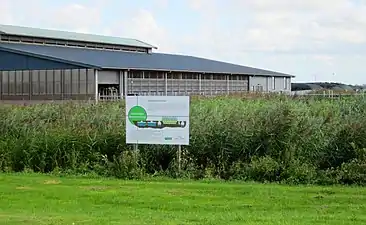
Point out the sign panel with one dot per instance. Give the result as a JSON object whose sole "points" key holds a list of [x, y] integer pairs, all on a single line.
{"points": [[158, 120]]}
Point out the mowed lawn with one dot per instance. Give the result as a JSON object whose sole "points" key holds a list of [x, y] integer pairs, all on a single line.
{"points": [[42, 199]]}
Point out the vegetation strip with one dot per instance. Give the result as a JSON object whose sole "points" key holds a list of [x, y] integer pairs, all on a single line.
{"points": [[275, 139]]}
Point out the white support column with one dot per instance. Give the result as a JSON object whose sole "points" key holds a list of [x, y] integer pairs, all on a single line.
{"points": [[121, 84], [96, 85], [125, 74], [251, 83], [166, 83], [284, 83], [200, 83], [211, 84], [228, 83], [185, 77]]}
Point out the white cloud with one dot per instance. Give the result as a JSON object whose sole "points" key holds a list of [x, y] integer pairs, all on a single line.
{"points": [[74, 17], [143, 26], [325, 58], [294, 36], [162, 3], [305, 21], [45, 14], [199, 4], [287, 25], [293, 5], [141, 23], [5, 16]]}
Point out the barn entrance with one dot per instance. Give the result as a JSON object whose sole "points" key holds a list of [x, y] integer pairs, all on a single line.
{"points": [[109, 85], [108, 92]]}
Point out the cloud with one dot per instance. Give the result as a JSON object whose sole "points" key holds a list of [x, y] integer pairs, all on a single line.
{"points": [[292, 36], [87, 18], [325, 58], [314, 21], [297, 36], [5, 16], [74, 17], [41, 13], [263, 25], [288, 25], [199, 4], [293, 5], [161, 3], [142, 25]]}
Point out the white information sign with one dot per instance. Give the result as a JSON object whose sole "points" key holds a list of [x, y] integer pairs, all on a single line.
{"points": [[158, 120]]}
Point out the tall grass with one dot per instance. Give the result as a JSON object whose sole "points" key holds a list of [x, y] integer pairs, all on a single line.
{"points": [[273, 139]]}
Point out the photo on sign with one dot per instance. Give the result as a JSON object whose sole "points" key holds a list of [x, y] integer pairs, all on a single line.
{"points": [[138, 117]]}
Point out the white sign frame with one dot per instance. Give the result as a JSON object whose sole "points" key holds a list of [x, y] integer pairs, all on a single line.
{"points": [[157, 120]]}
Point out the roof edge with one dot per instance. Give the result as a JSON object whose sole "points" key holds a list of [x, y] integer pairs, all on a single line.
{"points": [[270, 72], [152, 46], [68, 39], [49, 58], [80, 63], [203, 72], [147, 45]]}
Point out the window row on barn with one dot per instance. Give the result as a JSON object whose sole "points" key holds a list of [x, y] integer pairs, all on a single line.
{"points": [[176, 83]]}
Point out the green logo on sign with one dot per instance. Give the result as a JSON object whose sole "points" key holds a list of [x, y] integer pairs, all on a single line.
{"points": [[136, 114]]}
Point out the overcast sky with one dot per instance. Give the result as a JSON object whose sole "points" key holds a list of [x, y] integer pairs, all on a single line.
{"points": [[312, 39]]}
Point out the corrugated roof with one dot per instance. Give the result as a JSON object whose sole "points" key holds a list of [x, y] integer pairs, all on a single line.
{"points": [[72, 36], [128, 60]]}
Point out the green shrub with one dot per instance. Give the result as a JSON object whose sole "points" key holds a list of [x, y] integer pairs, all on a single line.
{"points": [[353, 172], [264, 169], [125, 165], [299, 172]]}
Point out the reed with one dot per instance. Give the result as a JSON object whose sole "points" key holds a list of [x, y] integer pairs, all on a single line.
{"points": [[273, 138]]}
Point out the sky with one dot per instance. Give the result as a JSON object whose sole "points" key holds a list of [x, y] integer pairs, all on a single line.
{"points": [[311, 39]]}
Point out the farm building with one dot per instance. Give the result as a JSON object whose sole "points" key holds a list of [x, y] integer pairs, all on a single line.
{"points": [[41, 64]]}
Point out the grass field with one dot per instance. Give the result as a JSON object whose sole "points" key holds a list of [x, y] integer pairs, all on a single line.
{"points": [[43, 199]]}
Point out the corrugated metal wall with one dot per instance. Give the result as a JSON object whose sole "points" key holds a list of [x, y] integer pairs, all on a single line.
{"points": [[270, 84], [239, 83], [79, 84], [73, 84], [108, 77]]}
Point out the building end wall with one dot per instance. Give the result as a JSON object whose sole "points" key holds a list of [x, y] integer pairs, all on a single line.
{"points": [[270, 84], [10, 61]]}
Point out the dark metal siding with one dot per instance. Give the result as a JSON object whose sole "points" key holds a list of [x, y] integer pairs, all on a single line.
{"points": [[69, 84], [14, 61]]}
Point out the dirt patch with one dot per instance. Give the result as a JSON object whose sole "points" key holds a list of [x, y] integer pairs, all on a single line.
{"points": [[52, 182], [23, 188], [95, 188], [176, 192], [327, 192]]}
